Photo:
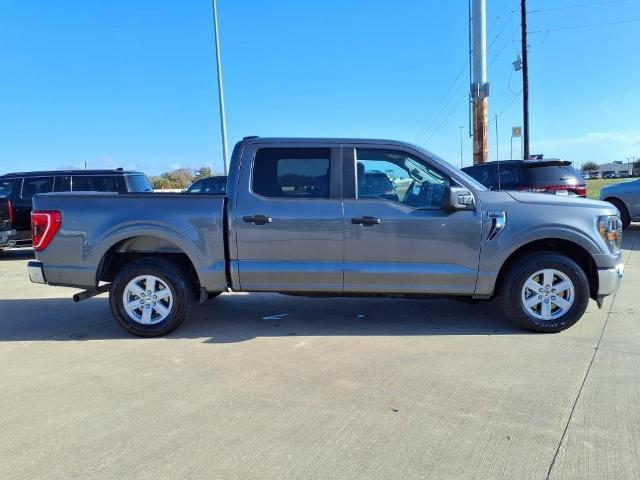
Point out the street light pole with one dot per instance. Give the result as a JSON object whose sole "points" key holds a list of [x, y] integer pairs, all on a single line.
{"points": [[223, 122]]}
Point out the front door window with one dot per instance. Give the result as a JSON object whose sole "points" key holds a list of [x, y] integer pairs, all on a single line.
{"points": [[400, 178]]}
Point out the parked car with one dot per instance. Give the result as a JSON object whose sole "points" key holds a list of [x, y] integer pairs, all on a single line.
{"points": [[293, 222], [541, 176], [625, 196], [610, 174], [375, 184], [211, 185], [17, 190]]}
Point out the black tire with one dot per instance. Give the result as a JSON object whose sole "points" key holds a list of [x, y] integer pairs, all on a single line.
{"points": [[173, 278], [519, 272], [624, 212]]}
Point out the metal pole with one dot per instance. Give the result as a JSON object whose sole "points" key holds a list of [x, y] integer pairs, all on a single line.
{"points": [[479, 85], [511, 147], [461, 149], [223, 123], [525, 81], [497, 141]]}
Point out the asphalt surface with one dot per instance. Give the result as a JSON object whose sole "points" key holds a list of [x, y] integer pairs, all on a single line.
{"points": [[266, 386]]}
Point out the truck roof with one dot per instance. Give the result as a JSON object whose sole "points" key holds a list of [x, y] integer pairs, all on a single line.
{"points": [[117, 171], [375, 141]]}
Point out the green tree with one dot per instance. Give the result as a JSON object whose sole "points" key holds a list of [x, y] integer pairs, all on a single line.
{"points": [[202, 172], [589, 166]]}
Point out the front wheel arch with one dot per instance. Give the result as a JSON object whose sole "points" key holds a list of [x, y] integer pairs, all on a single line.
{"points": [[554, 245]]}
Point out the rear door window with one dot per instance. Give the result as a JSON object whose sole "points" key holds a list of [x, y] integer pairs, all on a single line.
{"points": [[292, 172], [507, 177], [63, 184], [34, 185], [97, 183]]}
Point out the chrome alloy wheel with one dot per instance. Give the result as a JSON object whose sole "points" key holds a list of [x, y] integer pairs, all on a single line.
{"points": [[147, 299], [548, 294]]}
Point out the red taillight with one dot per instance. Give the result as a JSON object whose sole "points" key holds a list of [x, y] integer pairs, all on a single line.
{"points": [[581, 190], [10, 207], [44, 226]]}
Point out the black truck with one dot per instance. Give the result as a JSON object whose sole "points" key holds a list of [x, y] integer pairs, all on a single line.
{"points": [[17, 190]]}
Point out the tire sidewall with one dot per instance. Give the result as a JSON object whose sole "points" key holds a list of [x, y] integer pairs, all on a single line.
{"points": [[517, 310], [625, 217], [171, 276]]}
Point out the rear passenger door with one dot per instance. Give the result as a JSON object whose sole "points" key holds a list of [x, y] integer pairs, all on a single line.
{"points": [[289, 222]]}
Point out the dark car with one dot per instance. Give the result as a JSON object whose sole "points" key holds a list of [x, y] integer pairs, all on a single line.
{"points": [[211, 185], [372, 184], [17, 190], [543, 176]]}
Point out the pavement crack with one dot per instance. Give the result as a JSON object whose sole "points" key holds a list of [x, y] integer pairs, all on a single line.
{"points": [[584, 380]]}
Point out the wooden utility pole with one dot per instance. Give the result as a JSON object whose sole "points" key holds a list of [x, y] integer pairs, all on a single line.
{"points": [[525, 81], [479, 85]]}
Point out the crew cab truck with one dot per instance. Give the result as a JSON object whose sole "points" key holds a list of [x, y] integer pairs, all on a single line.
{"points": [[295, 220]]}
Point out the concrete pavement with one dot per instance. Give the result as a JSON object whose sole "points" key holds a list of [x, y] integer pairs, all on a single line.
{"points": [[266, 386]]}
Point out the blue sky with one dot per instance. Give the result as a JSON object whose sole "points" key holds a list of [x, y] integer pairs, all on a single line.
{"points": [[132, 83]]}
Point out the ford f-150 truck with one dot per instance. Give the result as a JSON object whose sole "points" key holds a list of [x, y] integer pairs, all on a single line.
{"points": [[299, 219]]}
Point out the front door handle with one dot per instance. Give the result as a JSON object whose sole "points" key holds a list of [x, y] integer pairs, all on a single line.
{"points": [[257, 219], [366, 221]]}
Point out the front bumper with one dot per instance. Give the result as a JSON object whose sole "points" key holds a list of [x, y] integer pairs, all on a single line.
{"points": [[8, 238], [609, 280], [36, 273]]}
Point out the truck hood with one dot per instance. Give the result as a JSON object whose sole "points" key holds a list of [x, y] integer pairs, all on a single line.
{"points": [[559, 200]]}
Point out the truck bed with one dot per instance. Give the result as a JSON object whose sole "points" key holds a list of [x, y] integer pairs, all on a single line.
{"points": [[96, 223]]}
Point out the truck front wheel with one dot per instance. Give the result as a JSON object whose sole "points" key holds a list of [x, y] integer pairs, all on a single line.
{"points": [[150, 297], [545, 292]]}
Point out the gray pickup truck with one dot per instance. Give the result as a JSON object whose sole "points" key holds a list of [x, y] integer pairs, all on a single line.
{"points": [[312, 217]]}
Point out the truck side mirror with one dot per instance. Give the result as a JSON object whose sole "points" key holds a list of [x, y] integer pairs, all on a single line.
{"points": [[457, 198]]}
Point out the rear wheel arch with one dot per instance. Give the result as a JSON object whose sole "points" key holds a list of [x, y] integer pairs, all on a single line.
{"points": [[135, 247]]}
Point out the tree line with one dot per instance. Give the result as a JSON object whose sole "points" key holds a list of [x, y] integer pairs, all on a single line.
{"points": [[179, 178]]}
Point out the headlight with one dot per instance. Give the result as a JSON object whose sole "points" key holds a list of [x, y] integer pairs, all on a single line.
{"points": [[610, 229]]}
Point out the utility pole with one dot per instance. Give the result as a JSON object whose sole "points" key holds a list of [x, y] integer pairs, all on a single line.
{"points": [[479, 85], [223, 122], [525, 81]]}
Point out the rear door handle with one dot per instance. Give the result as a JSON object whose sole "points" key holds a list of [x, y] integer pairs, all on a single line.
{"points": [[257, 219], [366, 221]]}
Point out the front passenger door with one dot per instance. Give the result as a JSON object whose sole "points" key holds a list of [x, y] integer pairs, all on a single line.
{"points": [[400, 239]]}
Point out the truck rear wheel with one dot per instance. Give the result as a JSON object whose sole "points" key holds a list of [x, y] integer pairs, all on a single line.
{"points": [[150, 297], [545, 292]]}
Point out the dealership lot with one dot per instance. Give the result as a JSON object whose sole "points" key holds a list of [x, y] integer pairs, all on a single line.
{"points": [[268, 386]]}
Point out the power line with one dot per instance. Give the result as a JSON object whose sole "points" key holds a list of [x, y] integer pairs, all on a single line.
{"points": [[576, 27], [441, 105], [455, 106], [577, 5]]}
